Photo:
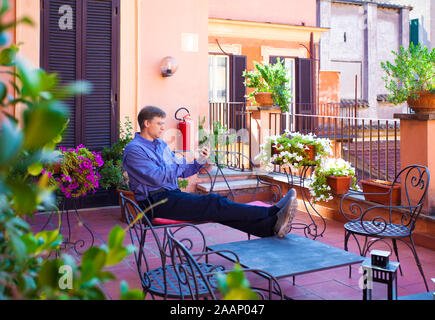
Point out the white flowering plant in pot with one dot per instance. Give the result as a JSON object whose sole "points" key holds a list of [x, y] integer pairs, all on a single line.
{"points": [[318, 185], [293, 149]]}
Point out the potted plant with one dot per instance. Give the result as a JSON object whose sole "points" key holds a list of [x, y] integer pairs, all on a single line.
{"points": [[411, 78], [271, 85], [380, 191], [333, 176], [113, 175], [293, 149], [78, 174]]}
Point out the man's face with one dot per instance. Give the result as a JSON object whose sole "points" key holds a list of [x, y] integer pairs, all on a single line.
{"points": [[155, 127]]}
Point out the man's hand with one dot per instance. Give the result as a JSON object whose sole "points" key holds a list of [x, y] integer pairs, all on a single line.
{"points": [[204, 153]]}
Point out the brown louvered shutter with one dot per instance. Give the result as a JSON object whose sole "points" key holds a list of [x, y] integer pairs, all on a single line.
{"points": [[59, 54], [237, 92], [89, 51], [101, 43], [304, 94]]}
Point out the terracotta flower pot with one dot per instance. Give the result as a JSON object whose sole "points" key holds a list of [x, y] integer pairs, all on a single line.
{"points": [[310, 153], [425, 103], [264, 99], [339, 185], [130, 195], [379, 186]]}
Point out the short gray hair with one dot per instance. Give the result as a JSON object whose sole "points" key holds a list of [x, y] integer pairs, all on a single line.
{"points": [[149, 113]]}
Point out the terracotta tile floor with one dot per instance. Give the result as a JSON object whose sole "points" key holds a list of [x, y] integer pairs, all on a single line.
{"points": [[333, 284]]}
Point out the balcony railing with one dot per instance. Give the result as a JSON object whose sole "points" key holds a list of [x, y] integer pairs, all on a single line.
{"points": [[372, 146]]}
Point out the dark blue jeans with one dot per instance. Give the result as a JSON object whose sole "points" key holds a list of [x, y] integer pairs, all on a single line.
{"points": [[212, 207]]}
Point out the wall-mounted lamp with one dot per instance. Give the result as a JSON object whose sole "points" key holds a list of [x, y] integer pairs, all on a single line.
{"points": [[168, 66]]}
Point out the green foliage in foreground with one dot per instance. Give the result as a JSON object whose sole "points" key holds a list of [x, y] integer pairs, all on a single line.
{"points": [[27, 270]]}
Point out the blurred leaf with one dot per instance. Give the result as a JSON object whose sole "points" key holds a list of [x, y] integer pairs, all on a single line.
{"points": [[116, 237], [127, 294], [43, 124], [79, 87], [8, 56], [11, 139], [241, 294], [5, 6], [18, 246], [35, 169], [235, 286], [14, 23], [3, 92], [95, 255], [24, 197], [43, 241], [49, 274]]}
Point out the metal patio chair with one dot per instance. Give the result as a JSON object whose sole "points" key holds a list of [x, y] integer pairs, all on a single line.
{"points": [[152, 258], [158, 276], [191, 275], [367, 223]]}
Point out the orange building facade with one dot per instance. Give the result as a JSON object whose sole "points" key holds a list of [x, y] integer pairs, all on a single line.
{"points": [[190, 31]]}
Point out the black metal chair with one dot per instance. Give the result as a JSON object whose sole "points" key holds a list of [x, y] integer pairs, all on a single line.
{"points": [[367, 223], [158, 276], [190, 274]]}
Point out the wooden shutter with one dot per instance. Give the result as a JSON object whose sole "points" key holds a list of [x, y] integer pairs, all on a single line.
{"points": [[59, 54], [304, 93], [89, 51], [413, 32], [100, 49], [237, 92]]}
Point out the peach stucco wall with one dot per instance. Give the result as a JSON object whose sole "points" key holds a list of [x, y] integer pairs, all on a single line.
{"points": [[417, 146], [294, 12], [161, 25], [150, 30]]}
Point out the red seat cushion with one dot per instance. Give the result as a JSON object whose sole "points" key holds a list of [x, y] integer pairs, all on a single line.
{"points": [[259, 204], [162, 221]]}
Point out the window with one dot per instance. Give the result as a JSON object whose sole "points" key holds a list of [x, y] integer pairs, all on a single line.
{"points": [[226, 85], [301, 85], [218, 78]]}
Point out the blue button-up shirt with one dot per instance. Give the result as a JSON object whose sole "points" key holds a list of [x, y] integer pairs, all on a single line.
{"points": [[151, 165]]}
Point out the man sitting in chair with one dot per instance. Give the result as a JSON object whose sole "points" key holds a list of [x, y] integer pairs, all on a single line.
{"points": [[154, 170]]}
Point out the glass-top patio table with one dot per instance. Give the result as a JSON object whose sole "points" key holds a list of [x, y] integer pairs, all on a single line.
{"points": [[289, 256]]}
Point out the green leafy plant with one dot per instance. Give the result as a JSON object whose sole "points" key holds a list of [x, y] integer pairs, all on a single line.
{"points": [[112, 172], [291, 150], [26, 269], [270, 78], [183, 183], [235, 286], [412, 71], [202, 134], [319, 188]]}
